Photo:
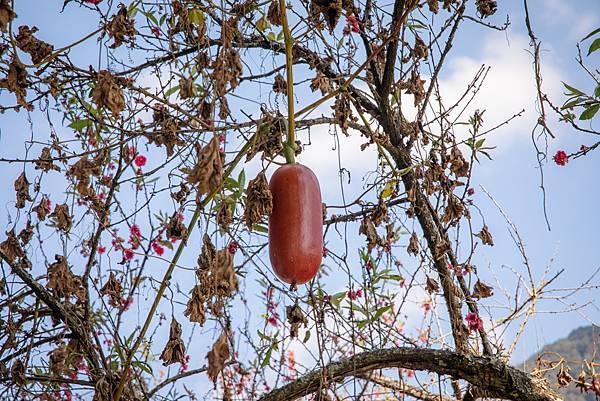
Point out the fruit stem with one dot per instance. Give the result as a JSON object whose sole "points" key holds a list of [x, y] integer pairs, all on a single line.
{"points": [[288, 148]]}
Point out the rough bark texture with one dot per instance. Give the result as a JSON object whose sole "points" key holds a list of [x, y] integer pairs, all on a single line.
{"points": [[488, 374]]}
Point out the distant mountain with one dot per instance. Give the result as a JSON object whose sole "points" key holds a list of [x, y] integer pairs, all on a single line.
{"points": [[577, 347]]}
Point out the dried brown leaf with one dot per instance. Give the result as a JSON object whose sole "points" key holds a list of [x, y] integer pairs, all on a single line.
{"points": [[217, 357], [175, 349], [22, 190], [259, 201], [108, 93]]}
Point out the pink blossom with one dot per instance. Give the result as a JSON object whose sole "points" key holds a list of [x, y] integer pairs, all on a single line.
{"points": [[140, 160]]}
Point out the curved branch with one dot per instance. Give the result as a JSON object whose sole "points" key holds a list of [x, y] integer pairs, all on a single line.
{"points": [[404, 388], [488, 374]]}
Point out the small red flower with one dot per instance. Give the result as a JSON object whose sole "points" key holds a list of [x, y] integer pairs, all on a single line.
{"points": [[221, 138], [232, 247], [140, 160], [474, 321], [353, 23], [471, 191], [561, 158], [158, 248], [101, 250], [156, 31], [354, 295], [128, 254], [94, 2]]}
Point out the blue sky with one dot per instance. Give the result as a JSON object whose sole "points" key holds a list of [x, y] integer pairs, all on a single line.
{"points": [[513, 177]]}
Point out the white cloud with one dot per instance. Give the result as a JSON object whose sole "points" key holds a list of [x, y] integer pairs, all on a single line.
{"points": [[508, 88]]}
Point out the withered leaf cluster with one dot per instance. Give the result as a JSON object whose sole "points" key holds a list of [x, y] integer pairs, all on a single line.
{"points": [[45, 162], [11, 248], [274, 13], [167, 134], [108, 93], [217, 356], [458, 165], [65, 358], [485, 8], [121, 28], [175, 349], [413, 245], [331, 10], [207, 174], [414, 86], [295, 317], [482, 290], [268, 138], [431, 285], [343, 112], [62, 282], [280, 84], [16, 82], [113, 289], [187, 87], [454, 210], [224, 215], [380, 213], [420, 49], [485, 236], [217, 281], [175, 227], [42, 209], [61, 218], [322, 83], [367, 228], [6, 15], [84, 169], [259, 201], [37, 49], [22, 191]]}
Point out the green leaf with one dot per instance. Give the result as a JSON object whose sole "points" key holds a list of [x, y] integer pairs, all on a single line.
{"points": [[242, 179], [573, 90], [590, 112], [572, 103], [196, 16], [380, 312], [260, 229], [79, 125], [172, 91], [143, 366], [589, 35], [151, 17], [271, 37], [594, 46], [306, 336], [267, 359], [597, 91]]}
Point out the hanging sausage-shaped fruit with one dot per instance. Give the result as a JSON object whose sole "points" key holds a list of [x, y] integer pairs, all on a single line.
{"points": [[295, 224], [296, 221]]}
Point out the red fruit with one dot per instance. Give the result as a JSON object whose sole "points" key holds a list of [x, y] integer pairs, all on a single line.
{"points": [[296, 224]]}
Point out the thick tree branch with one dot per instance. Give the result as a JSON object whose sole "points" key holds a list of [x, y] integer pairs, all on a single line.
{"points": [[486, 373]]}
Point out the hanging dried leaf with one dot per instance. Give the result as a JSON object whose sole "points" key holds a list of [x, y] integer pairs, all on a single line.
{"points": [[187, 88], [380, 214], [413, 245], [108, 93], [268, 137], [434, 6], [414, 86], [62, 282], [431, 285], [486, 236], [227, 69], [482, 290], [175, 228], [224, 217], [207, 174], [274, 13], [194, 310], [343, 113], [175, 349], [217, 357], [181, 195], [22, 190], [61, 218], [37, 49], [420, 50], [259, 201], [45, 162], [16, 82], [168, 133], [11, 248], [367, 228], [295, 318], [225, 278], [207, 257], [42, 209], [113, 289], [331, 10], [6, 15], [458, 164], [121, 28], [82, 171], [322, 83], [454, 210], [280, 84], [563, 377], [26, 233], [485, 8]]}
